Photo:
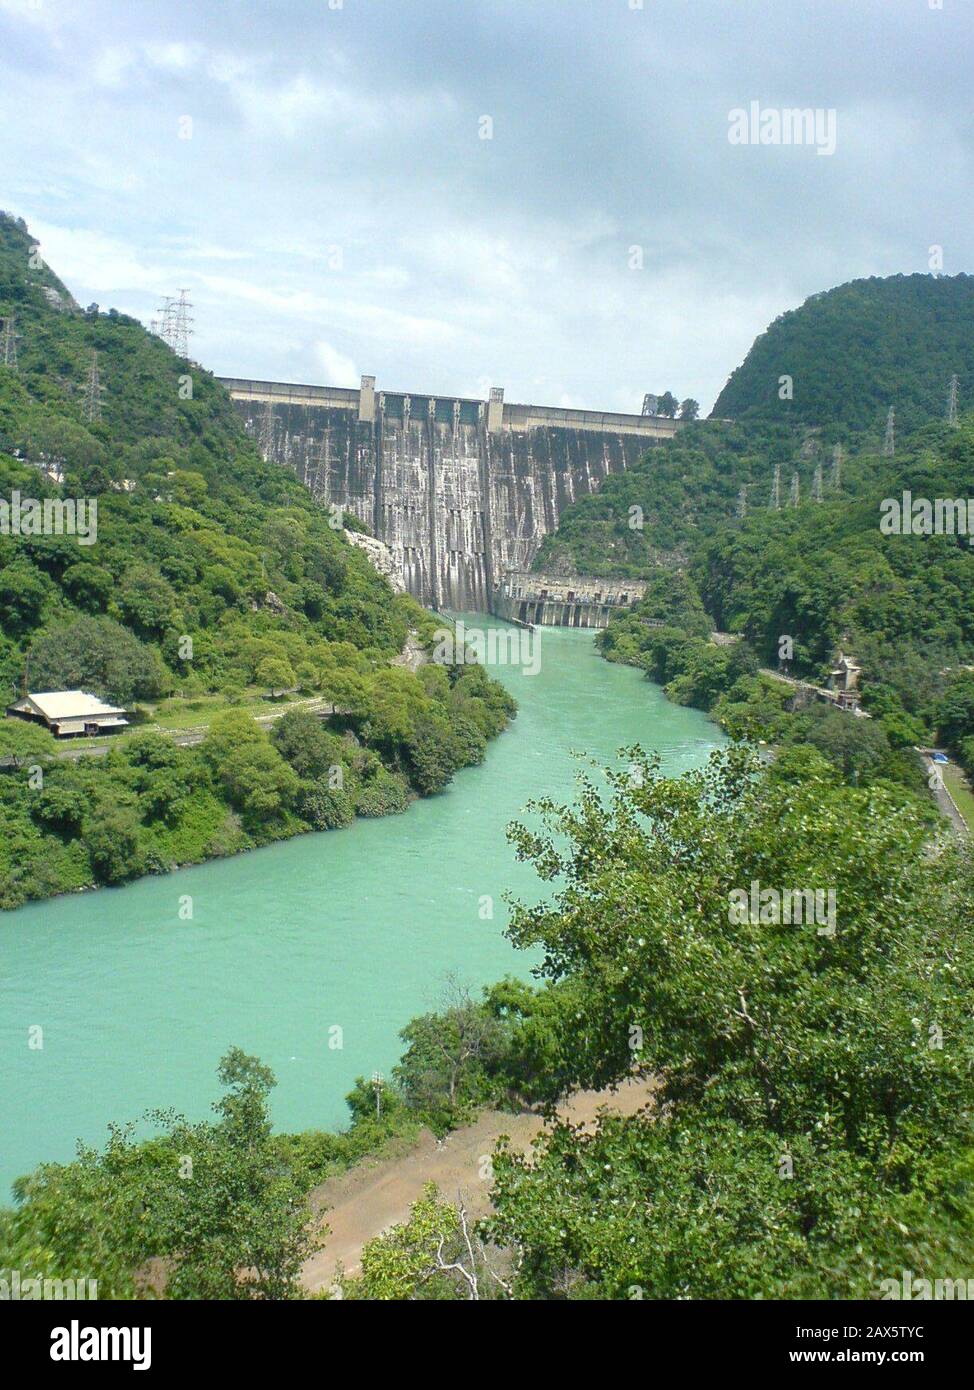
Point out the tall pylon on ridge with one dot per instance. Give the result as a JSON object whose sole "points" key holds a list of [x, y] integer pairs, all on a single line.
{"points": [[952, 401], [266, 436], [8, 344], [175, 322], [817, 483], [889, 442], [836, 479], [742, 502], [776, 489], [795, 492], [182, 329], [91, 402], [163, 324]]}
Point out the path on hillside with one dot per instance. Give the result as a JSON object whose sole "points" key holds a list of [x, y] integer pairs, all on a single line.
{"points": [[375, 1195]]}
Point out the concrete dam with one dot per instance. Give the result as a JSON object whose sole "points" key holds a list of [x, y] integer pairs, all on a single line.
{"points": [[461, 491]]}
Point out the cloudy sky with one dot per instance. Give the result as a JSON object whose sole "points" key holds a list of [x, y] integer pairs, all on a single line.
{"points": [[316, 173]]}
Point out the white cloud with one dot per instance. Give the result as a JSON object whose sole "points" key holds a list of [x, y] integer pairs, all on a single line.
{"points": [[100, 263], [336, 368]]}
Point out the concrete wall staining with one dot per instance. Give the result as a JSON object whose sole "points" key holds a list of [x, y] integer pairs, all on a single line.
{"points": [[461, 491]]}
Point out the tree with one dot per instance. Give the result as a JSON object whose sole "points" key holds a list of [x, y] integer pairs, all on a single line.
{"points": [[98, 655], [783, 1049], [113, 840], [276, 674], [214, 1202], [24, 592], [303, 741], [90, 586], [689, 409], [443, 1069], [436, 1254], [22, 743], [667, 404]]}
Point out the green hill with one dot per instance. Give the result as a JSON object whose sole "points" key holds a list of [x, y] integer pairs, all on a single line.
{"points": [[213, 581], [854, 351]]}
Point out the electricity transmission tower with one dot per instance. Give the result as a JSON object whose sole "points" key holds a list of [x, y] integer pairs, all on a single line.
{"points": [[175, 322], [889, 443], [8, 347], [776, 488], [91, 404], [795, 495], [836, 467], [742, 503], [650, 402], [817, 483], [952, 401]]}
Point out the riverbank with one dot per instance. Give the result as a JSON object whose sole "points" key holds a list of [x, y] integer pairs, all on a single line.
{"points": [[100, 813], [377, 1193], [311, 953]]}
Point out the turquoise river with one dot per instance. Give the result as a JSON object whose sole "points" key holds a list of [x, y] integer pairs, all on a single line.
{"points": [[359, 928]]}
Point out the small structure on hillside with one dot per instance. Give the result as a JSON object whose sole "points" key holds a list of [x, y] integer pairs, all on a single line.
{"points": [[844, 682], [69, 713]]}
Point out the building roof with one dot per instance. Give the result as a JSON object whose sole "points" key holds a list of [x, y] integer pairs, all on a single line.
{"points": [[55, 705]]}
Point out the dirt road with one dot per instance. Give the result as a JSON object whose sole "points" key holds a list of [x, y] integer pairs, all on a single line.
{"points": [[374, 1195]]}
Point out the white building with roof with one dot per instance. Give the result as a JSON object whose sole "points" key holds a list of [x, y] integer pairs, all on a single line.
{"points": [[69, 712]]}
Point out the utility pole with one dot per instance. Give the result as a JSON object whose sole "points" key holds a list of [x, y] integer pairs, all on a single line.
{"points": [[836, 468], [9, 344], [817, 483], [795, 496], [889, 443], [952, 401], [377, 1083], [91, 405], [776, 488]]}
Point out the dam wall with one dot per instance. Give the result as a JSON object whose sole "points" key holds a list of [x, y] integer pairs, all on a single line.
{"points": [[462, 491]]}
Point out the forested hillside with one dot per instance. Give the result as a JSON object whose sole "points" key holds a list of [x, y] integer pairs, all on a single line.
{"points": [[821, 576], [854, 351], [213, 580], [654, 513]]}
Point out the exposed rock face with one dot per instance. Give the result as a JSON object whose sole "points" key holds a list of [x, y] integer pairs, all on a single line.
{"points": [[460, 491], [380, 557]]}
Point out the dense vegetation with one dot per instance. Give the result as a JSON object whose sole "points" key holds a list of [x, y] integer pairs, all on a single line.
{"points": [[854, 351], [809, 579], [810, 1135], [656, 512], [213, 573]]}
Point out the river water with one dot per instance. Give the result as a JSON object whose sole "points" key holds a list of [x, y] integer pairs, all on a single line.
{"points": [[355, 930]]}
